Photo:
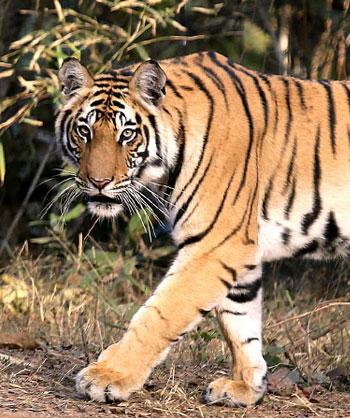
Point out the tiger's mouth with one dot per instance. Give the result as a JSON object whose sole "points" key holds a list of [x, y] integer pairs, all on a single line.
{"points": [[105, 206], [102, 199]]}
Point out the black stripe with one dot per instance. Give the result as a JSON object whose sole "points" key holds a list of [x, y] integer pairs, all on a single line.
{"points": [[230, 270], [195, 238], [180, 139], [247, 292], [251, 339], [290, 201], [146, 133], [174, 89], [347, 92], [167, 111], [215, 79], [65, 127], [98, 102], [126, 72], [311, 217], [121, 83], [153, 123], [235, 230], [289, 109], [267, 81], [300, 90], [248, 240], [266, 199], [118, 94], [182, 210], [144, 165], [262, 96], [103, 85], [252, 200], [64, 118], [190, 213], [109, 398], [226, 283], [142, 154], [228, 311], [331, 232], [198, 82], [331, 112], [290, 167], [119, 104], [243, 97], [187, 88], [309, 248], [100, 92], [138, 118], [120, 86], [104, 78], [250, 266], [286, 236]]}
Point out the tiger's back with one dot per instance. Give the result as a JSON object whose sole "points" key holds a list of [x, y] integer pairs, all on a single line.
{"points": [[289, 141], [257, 168]]}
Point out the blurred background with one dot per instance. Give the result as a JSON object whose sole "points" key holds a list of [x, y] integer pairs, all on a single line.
{"points": [[63, 270], [305, 38]]}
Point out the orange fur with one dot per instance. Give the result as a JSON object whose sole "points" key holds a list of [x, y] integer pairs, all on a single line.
{"points": [[259, 170]]}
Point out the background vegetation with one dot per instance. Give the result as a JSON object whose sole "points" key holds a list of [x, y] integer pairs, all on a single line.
{"points": [[303, 38], [73, 282]]}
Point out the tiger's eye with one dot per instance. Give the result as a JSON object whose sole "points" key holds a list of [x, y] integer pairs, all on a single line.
{"points": [[127, 135], [83, 130]]}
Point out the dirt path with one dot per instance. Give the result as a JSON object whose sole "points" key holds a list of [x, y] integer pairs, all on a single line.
{"points": [[35, 384]]}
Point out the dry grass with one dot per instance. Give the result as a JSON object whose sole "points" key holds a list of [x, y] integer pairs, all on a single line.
{"points": [[70, 307]]}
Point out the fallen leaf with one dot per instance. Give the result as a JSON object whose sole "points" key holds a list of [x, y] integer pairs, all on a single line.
{"points": [[338, 373], [320, 378], [283, 380]]}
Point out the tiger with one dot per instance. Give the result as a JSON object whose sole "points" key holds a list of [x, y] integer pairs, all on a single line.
{"points": [[251, 168]]}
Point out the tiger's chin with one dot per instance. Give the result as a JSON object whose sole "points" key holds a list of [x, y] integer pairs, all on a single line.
{"points": [[105, 210]]}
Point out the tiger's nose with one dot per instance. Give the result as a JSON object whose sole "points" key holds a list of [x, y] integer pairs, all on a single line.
{"points": [[100, 183]]}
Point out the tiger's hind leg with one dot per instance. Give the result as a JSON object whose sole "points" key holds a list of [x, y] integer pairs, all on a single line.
{"points": [[239, 317]]}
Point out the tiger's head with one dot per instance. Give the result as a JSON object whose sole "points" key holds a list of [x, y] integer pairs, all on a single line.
{"points": [[110, 129]]}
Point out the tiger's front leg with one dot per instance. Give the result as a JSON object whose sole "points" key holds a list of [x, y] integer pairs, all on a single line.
{"points": [[189, 290], [239, 316]]}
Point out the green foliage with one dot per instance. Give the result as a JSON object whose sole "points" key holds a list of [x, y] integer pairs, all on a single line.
{"points": [[274, 355], [255, 39]]}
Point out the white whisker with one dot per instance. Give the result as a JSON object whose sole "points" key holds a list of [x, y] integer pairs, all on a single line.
{"points": [[54, 200], [159, 198], [142, 199], [134, 205]]}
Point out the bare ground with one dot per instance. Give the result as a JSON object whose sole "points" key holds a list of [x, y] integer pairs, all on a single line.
{"points": [[41, 384], [52, 325]]}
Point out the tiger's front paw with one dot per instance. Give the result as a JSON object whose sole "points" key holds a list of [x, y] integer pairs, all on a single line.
{"points": [[234, 393], [102, 383]]}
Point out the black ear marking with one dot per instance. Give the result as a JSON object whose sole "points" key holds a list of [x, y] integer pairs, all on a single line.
{"points": [[74, 76], [148, 83]]}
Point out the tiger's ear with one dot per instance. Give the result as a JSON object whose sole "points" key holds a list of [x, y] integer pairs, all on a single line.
{"points": [[74, 76], [147, 85]]}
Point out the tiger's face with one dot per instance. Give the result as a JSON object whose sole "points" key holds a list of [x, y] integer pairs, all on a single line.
{"points": [[108, 130]]}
